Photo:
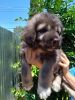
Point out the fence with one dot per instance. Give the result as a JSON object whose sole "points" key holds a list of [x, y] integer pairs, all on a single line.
{"points": [[7, 58]]}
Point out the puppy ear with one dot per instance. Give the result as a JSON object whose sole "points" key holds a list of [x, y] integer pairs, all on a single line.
{"points": [[29, 35]]}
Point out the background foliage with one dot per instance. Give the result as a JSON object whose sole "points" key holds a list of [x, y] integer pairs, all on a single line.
{"points": [[65, 9]]}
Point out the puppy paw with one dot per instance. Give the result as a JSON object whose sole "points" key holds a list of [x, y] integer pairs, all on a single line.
{"points": [[56, 86], [27, 86], [43, 93]]}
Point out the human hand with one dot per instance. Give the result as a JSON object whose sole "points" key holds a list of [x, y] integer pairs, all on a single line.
{"points": [[64, 62]]}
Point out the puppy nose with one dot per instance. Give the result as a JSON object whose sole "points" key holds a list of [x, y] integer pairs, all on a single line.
{"points": [[56, 41]]}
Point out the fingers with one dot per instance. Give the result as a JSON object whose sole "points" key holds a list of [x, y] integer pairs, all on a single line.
{"points": [[64, 62], [63, 65], [62, 59], [63, 55]]}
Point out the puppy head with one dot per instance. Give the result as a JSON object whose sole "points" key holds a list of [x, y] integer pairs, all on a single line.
{"points": [[44, 30]]}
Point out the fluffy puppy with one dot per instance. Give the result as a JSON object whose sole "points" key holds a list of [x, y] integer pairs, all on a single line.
{"points": [[42, 34]]}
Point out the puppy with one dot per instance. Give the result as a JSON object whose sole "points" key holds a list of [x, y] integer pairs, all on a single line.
{"points": [[42, 34]]}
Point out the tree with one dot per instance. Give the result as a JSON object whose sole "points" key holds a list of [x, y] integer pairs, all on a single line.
{"points": [[18, 29]]}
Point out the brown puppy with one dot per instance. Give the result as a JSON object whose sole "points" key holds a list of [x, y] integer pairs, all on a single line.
{"points": [[42, 35]]}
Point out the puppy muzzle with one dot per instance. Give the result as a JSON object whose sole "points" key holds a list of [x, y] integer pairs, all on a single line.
{"points": [[50, 44]]}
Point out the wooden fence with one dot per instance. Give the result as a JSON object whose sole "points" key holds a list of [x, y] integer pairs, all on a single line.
{"points": [[7, 58]]}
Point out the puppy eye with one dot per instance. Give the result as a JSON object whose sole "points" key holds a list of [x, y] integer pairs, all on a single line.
{"points": [[42, 30], [59, 32]]}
